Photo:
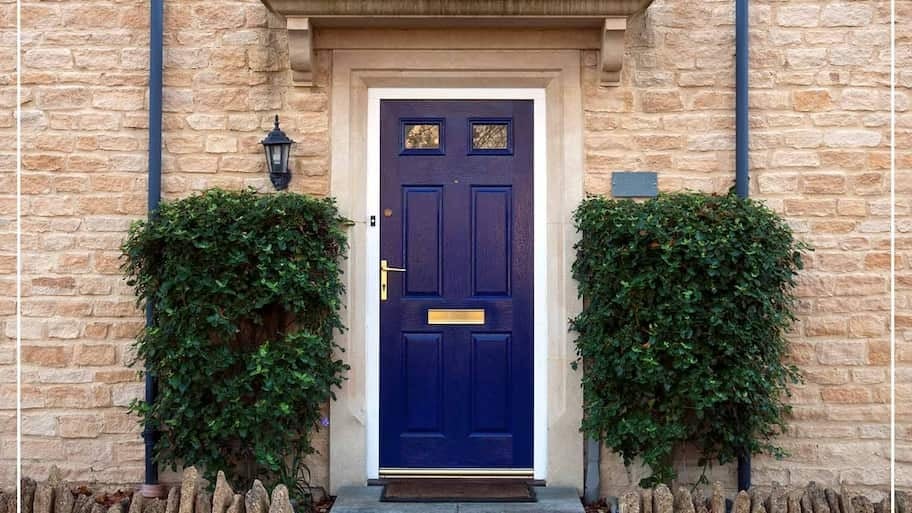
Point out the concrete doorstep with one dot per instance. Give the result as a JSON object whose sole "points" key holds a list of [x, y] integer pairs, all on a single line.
{"points": [[366, 499]]}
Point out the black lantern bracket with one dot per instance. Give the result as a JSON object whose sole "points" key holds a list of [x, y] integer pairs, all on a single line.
{"points": [[277, 146]]}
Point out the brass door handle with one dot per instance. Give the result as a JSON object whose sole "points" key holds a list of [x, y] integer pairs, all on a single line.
{"points": [[385, 267], [384, 270]]}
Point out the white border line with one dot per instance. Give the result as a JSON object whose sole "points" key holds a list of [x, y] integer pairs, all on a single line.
{"points": [[540, 238], [893, 253], [18, 256]]}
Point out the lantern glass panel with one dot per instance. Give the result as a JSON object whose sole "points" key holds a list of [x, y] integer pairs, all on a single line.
{"points": [[276, 157], [285, 149]]}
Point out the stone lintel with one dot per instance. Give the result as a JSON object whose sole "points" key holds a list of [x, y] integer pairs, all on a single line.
{"points": [[437, 8], [303, 15]]}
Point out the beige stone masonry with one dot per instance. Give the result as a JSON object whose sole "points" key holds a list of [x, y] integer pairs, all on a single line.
{"points": [[85, 73], [820, 155], [7, 243], [903, 245]]}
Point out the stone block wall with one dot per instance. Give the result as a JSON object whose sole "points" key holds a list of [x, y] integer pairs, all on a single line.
{"points": [[7, 241], [903, 260], [85, 75], [820, 155]]}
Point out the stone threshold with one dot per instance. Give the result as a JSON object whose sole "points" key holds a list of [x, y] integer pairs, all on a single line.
{"points": [[366, 499]]}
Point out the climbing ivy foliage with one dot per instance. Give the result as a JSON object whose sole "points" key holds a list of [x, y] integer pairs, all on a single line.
{"points": [[245, 293], [682, 336]]}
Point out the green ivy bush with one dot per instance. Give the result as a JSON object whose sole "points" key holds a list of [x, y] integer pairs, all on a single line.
{"points": [[245, 291], [682, 336]]}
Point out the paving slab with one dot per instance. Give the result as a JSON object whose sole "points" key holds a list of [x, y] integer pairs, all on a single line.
{"points": [[366, 499]]}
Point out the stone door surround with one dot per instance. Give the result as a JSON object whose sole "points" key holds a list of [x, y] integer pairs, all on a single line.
{"points": [[608, 16], [557, 72]]}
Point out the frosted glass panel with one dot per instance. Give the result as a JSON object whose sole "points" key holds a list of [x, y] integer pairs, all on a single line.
{"points": [[422, 136], [489, 136]]}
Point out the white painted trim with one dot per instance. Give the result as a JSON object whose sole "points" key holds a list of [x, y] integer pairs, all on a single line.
{"points": [[540, 263]]}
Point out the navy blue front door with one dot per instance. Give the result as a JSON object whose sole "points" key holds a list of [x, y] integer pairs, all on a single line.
{"points": [[456, 325]]}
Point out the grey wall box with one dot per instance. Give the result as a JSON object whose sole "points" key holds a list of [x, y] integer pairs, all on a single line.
{"points": [[627, 184]]}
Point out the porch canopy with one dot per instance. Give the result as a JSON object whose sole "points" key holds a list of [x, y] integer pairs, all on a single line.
{"points": [[303, 16]]}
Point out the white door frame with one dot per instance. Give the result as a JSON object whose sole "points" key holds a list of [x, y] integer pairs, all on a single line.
{"points": [[540, 263]]}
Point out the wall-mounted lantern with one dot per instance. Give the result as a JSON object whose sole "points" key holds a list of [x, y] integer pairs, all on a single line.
{"points": [[278, 147]]}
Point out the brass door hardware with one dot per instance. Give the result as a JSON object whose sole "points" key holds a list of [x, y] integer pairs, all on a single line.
{"points": [[455, 316], [384, 269], [456, 473]]}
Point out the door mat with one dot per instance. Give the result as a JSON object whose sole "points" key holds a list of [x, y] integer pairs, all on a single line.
{"points": [[457, 490]]}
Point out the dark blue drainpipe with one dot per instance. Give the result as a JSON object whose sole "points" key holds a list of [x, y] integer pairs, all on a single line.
{"points": [[156, 45], [742, 107], [742, 157]]}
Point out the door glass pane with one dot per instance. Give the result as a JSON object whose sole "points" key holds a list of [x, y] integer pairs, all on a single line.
{"points": [[489, 136], [422, 136]]}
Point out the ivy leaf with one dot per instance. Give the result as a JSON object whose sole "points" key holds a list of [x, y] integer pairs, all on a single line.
{"points": [[246, 291], [687, 300]]}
